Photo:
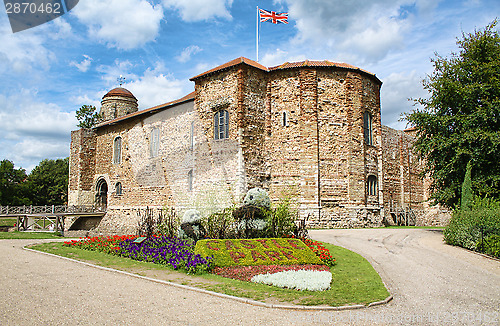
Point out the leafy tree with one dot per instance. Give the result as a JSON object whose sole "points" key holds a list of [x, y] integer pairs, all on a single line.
{"points": [[12, 185], [87, 116], [467, 195], [460, 121], [48, 182]]}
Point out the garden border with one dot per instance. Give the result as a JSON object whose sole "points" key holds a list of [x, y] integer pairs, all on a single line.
{"points": [[220, 295]]}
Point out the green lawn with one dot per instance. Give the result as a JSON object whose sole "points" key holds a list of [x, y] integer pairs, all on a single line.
{"points": [[29, 235], [8, 222], [354, 279]]}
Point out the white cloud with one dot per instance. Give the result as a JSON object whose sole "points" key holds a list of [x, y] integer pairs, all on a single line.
{"points": [[376, 40], [119, 68], [20, 52], [155, 87], [186, 54], [363, 31], [124, 24], [87, 99], [279, 56], [396, 94], [84, 65], [31, 130], [196, 10]]}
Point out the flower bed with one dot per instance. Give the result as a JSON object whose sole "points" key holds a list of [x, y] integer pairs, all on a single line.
{"points": [[300, 264], [297, 279], [284, 262], [160, 250], [320, 251], [250, 252], [245, 273]]}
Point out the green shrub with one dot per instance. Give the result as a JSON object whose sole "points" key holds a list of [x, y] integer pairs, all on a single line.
{"points": [[281, 219], [468, 226], [490, 245], [168, 223], [220, 225]]}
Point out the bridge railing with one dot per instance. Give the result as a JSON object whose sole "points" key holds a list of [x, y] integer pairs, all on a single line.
{"points": [[50, 209]]}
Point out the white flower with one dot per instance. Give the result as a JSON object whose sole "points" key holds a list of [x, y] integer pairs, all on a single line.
{"points": [[191, 216], [300, 280]]}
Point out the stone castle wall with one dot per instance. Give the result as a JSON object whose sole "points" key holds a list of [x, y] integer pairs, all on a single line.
{"points": [[320, 154], [82, 168], [292, 132]]}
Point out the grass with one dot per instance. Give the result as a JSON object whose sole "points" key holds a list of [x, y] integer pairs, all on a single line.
{"points": [[29, 235], [8, 222], [354, 279]]}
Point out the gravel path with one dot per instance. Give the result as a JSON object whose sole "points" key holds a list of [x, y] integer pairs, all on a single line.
{"points": [[432, 283], [428, 279]]}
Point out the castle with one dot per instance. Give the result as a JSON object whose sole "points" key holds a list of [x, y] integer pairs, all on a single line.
{"points": [[311, 128]]}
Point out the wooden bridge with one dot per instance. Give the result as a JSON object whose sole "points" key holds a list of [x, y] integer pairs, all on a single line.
{"points": [[48, 217]]}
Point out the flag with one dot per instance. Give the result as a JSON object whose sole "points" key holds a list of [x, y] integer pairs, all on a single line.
{"points": [[273, 17]]}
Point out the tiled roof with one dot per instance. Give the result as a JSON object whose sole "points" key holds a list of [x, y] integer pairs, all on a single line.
{"points": [[230, 64], [286, 65], [313, 63], [153, 109], [120, 91]]}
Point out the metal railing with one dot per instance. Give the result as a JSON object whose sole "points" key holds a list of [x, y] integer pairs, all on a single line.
{"points": [[404, 216], [50, 209]]}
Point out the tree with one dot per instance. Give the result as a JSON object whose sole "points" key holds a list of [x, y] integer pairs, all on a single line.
{"points": [[460, 121], [48, 182], [467, 197], [12, 185], [87, 116]]}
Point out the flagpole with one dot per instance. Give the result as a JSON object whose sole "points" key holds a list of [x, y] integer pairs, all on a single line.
{"points": [[257, 35]]}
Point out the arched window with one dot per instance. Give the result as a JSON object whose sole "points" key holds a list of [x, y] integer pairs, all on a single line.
{"points": [[221, 124], [117, 150], [118, 188], [284, 118], [101, 196], [155, 142], [372, 185], [190, 180], [367, 126]]}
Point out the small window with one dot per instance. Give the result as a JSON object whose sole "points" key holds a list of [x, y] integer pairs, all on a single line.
{"points": [[284, 119], [117, 150], [155, 142], [191, 136], [367, 126], [372, 185], [221, 124], [118, 188], [190, 180]]}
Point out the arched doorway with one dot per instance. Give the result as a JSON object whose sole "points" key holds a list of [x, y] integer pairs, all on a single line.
{"points": [[101, 197]]}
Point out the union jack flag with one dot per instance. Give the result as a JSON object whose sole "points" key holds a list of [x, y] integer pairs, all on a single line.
{"points": [[273, 17]]}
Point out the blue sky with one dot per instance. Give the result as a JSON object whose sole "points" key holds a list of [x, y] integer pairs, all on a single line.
{"points": [[50, 71]]}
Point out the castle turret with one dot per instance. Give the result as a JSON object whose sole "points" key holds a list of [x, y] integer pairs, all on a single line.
{"points": [[118, 102]]}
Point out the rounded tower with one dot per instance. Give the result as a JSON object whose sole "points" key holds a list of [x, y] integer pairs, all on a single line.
{"points": [[117, 103]]}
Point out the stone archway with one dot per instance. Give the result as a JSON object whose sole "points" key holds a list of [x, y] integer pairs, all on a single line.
{"points": [[101, 196]]}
